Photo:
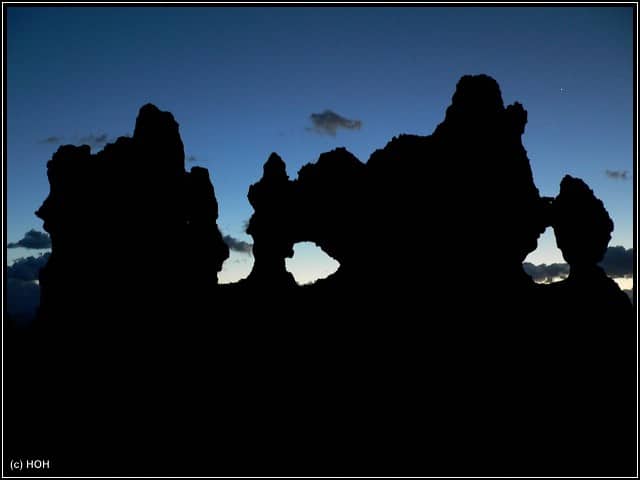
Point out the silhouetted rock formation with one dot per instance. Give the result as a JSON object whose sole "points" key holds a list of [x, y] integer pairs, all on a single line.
{"points": [[581, 224], [125, 297], [271, 225], [590, 344], [462, 206], [430, 351], [443, 201], [469, 185], [468, 182], [583, 229], [207, 250], [128, 226]]}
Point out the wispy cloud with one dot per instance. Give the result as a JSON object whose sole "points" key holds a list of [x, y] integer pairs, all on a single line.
{"points": [[328, 122], [94, 140], [33, 240], [51, 140], [617, 174], [237, 245]]}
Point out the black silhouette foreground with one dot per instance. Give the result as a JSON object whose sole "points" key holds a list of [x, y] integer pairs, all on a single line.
{"points": [[440, 358]]}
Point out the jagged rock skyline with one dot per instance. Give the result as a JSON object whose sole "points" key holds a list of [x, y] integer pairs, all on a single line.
{"points": [[575, 130], [190, 351], [440, 347]]}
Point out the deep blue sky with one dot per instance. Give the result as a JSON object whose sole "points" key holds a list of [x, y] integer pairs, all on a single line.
{"points": [[242, 82]]}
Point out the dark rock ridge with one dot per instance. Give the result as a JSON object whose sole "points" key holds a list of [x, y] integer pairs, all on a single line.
{"points": [[429, 352]]}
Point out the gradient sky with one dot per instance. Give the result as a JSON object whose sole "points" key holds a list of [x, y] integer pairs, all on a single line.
{"points": [[242, 82]]}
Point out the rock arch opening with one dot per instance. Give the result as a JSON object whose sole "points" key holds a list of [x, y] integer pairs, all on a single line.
{"points": [[545, 264], [310, 263]]}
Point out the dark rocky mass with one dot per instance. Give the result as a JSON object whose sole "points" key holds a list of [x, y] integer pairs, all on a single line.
{"points": [[429, 352], [583, 229], [591, 352], [131, 230], [271, 225]]}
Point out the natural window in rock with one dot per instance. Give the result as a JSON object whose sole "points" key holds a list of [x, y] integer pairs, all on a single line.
{"points": [[310, 263], [545, 264], [236, 267]]}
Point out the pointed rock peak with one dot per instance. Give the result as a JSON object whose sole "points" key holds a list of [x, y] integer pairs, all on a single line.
{"points": [[274, 167], [157, 133], [153, 122], [581, 223], [577, 201], [149, 109], [478, 92], [339, 166], [477, 107], [576, 190], [517, 117], [339, 155]]}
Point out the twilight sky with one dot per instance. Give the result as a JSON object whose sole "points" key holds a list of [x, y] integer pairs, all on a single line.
{"points": [[244, 81]]}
